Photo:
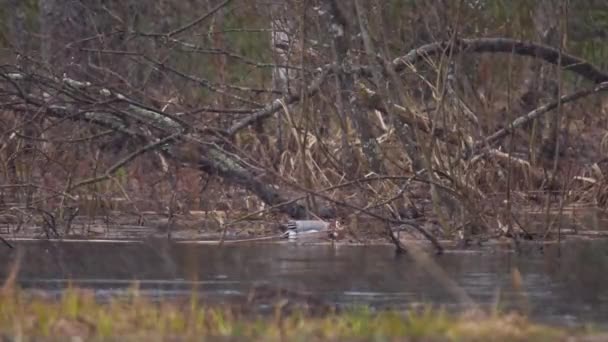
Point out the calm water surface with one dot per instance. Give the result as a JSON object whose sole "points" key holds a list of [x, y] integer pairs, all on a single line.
{"points": [[568, 285]]}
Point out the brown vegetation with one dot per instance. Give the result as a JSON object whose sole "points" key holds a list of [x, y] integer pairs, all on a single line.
{"points": [[405, 114]]}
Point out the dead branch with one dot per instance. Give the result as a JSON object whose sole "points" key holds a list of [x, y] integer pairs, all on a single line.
{"points": [[124, 161], [278, 104], [500, 45], [199, 20], [421, 54], [522, 120]]}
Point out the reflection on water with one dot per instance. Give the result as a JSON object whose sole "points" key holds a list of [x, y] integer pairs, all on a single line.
{"points": [[569, 287]]}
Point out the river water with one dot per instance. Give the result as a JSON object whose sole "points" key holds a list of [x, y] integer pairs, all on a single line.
{"points": [[566, 285]]}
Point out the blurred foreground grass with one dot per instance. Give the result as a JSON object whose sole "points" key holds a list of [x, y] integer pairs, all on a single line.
{"points": [[77, 314]]}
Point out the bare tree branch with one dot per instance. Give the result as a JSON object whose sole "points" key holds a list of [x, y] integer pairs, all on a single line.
{"points": [[124, 161], [501, 45], [199, 20], [522, 120], [278, 104]]}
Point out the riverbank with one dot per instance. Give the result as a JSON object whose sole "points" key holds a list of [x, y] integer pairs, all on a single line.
{"points": [[250, 291], [236, 227], [77, 314]]}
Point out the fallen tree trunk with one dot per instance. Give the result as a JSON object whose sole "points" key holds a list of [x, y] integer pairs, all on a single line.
{"points": [[499, 45], [212, 159], [189, 147]]}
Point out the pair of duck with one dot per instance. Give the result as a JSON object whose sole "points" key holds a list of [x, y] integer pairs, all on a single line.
{"points": [[297, 229]]}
